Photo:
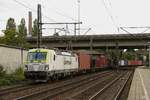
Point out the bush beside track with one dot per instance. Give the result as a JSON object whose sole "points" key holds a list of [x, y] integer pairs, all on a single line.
{"points": [[11, 79]]}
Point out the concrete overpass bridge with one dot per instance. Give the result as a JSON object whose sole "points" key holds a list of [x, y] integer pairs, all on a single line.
{"points": [[122, 41]]}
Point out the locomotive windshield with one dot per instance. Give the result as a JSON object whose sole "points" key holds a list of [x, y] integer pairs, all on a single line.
{"points": [[37, 56]]}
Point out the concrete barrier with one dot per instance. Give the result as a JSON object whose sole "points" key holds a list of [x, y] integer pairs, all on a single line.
{"points": [[12, 57]]}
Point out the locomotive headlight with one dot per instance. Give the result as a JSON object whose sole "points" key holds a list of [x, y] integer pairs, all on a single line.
{"points": [[46, 67]]}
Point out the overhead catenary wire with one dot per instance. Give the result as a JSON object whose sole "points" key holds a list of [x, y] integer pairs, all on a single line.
{"points": [[110, 4], [22, 4], [146, 28], [127, 32], [113, 20], [69, 17], [122, 28], [133, 36], [60, 12], [110, 14]]}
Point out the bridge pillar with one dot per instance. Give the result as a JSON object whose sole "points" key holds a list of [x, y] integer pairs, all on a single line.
{"points": [[91, 43], [69, 45], [117, 53]]}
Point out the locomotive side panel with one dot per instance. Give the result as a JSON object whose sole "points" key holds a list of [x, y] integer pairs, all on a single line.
{"points": [[65, 63]]}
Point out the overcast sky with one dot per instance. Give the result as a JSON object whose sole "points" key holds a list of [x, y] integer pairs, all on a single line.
{"points": [[103, 16]]}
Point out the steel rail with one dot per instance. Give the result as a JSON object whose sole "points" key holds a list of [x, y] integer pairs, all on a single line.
{"points": [[105, 87], [61, 86], [14, 89], [120, 91]]}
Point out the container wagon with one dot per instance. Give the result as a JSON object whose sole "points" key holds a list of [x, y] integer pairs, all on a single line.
{"points": [[45, 64], [102, 61], [135, 63], [84, 61]]}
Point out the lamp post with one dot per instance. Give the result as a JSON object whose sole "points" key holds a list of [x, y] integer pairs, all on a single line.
{"points": [[149, 54]]}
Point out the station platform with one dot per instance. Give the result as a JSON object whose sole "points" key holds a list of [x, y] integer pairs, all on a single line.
{"points": [[140, 86]]}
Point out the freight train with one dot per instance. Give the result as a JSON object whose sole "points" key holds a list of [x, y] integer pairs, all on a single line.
{"points": [[124, 63], [45, 64]]}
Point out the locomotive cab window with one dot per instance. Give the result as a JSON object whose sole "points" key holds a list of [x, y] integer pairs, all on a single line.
{"points": [[37, 56]]}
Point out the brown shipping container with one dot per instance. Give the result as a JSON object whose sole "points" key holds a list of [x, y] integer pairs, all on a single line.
{"points": [[101, 61], [134, 62], [84, 61], [140, 62], [129, 63]]}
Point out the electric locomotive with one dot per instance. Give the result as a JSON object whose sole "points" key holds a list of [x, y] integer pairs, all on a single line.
{"points": [[45, 64]]}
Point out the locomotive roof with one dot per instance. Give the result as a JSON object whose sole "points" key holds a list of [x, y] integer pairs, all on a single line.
{"points": [[59, 52], [39, 50]]}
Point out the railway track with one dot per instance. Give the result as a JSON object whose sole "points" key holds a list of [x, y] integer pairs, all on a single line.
{"points": [[70, 94], [97, 89], [22, 92], [112, 90], [86, 91], [106, 85], [54, 91], [7, 90], [12, 89]]}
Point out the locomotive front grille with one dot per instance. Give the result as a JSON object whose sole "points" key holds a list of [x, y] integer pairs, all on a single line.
{"points": [[36, 67]]}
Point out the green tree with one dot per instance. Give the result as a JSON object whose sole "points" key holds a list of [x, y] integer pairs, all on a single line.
{"points": [[22, 28], [11, 24], [10, 37], [128, 55], [10, 33], [22, 33], [35, 28], [14, 38]]}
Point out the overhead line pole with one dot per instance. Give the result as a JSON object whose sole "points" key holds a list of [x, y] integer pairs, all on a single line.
{"points": [[78, 17], [39, 18]]}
